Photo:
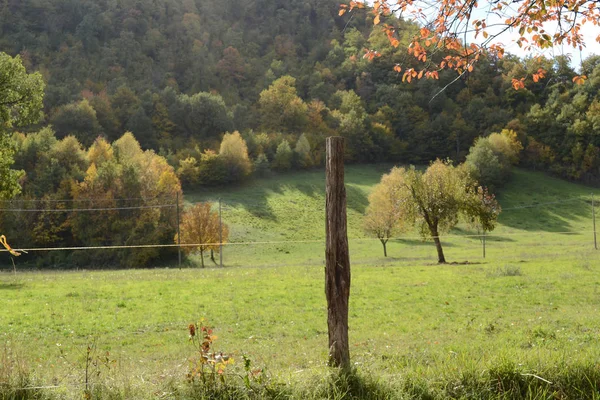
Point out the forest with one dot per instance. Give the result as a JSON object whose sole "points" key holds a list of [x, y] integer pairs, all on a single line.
{"points": [[210, 93]]}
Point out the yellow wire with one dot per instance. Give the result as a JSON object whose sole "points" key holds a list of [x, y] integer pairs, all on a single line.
{"points": [[7, 247]]}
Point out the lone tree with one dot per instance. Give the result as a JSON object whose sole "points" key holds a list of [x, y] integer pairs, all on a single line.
{"points": [[456, 34], [435, 199], [384, 217], [200, 227], [21, 96]]}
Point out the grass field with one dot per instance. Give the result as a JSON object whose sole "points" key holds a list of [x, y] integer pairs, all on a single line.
{"points": [[521, 323]]}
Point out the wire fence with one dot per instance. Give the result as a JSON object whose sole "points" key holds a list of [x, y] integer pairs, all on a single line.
{"points": [[492, 240]]}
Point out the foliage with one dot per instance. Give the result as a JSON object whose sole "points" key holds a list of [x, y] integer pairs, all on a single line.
{"points": [[65, 185], [78, 119], [449, 22], [281, 108], [21, 93], [302, 152], [234, 155], [21, 97], [207, 366], [201, 230], [384, 215], [433, 200], [283, 157], [178, 77], [491, 158]]}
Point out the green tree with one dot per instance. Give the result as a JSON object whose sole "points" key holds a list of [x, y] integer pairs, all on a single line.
{"points": [[21, 96], [303, 153], [280, 107], [283, 157], [490, 158], [435, 199], [78, 119]]}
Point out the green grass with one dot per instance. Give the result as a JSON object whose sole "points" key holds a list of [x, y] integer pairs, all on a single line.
{"points": [[281, 221], [496, 328]]}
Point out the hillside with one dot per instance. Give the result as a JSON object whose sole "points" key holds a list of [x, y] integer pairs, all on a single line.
{"points": [[181, 73], [540, 215]]}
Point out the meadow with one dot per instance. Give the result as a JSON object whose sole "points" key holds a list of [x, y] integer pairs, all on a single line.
{"points": [[521, 323]]}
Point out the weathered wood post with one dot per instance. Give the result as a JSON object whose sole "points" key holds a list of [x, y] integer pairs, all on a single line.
{"points": [[337, 266]]}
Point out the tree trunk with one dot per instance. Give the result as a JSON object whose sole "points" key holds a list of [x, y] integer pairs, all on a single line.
{"points": [[438, 245], [384, 243], [337, 267], [212, 256], [202, 257]]}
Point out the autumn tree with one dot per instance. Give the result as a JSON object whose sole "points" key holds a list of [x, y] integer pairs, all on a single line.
{"points": [[234, 155], [435, 199], [449, 30], [384, 216], [200, 228]]}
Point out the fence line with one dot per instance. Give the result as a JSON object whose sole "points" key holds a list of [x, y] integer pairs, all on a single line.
{"points": [[215, 244], [305, 212], [85, 209]]}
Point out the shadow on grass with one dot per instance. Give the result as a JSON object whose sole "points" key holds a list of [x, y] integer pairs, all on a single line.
{"points": [[11, 285], [420, 243], [253, 195], [340, 384], [533, 201]]}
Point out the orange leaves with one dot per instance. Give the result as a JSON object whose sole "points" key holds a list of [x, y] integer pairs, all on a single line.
{"points": [[371, 54], [349, 7], [518, 83], [376, 20], [397, 68], [390, 33], [579, 80], [540, 74], [432, 75], [409, 74]]}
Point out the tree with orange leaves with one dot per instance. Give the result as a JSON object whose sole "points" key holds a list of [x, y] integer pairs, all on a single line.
{"points": [[448, 25]]}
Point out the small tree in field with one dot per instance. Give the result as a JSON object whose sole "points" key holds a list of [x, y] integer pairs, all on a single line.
{"points": [[383, 218], [200, 226], [435, 199]]}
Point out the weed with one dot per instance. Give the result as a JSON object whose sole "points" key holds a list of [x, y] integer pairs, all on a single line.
{"points": [[507, 270], [207, 366]]}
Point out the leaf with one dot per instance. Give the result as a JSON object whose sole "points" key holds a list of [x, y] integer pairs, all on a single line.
{"points": [[376, 20], [397, 68], [342, 12], [485, 35], [580, 79]]}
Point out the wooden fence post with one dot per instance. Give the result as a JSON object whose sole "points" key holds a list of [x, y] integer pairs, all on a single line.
{"points": [[337, 265]]}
